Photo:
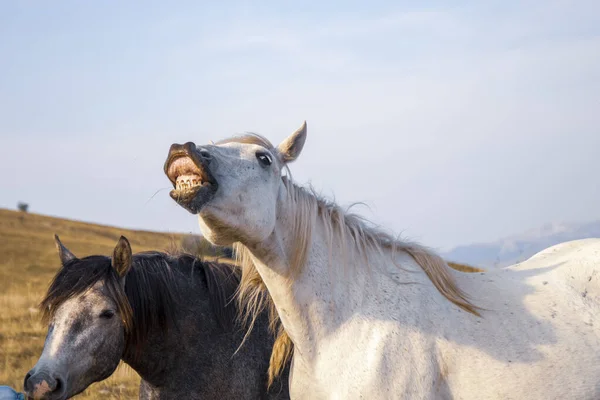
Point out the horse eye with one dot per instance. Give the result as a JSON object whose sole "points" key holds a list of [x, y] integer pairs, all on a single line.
{"points": [[107, 314], [264, 159]]}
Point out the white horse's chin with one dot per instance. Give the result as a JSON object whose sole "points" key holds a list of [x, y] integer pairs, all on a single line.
{"points": [[195, 198]]}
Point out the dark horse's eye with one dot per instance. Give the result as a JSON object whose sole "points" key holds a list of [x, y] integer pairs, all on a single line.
{"points": [[264, 158], [107, 314]]}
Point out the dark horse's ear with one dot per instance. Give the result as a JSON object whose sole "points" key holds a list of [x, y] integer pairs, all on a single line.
{"points": [[64, 253], [121, 259]]}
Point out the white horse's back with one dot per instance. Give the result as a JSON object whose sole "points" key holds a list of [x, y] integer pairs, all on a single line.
{"points": [[540, 338]]}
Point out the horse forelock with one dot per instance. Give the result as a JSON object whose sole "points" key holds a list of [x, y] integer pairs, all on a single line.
{"points": [[256, 139], [80, 275], [249, 138]]}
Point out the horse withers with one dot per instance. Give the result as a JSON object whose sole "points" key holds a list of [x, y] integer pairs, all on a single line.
{"points": [[169, 317]]}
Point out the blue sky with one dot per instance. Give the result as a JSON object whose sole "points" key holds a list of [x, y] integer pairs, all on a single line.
{"points": [[454, 122]]}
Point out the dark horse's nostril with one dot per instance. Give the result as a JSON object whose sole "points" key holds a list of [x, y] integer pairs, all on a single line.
{"points": [[59, 385], [26, 379]]}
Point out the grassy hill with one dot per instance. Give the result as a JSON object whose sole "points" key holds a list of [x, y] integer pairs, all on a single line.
{"points": [[28, 261]]}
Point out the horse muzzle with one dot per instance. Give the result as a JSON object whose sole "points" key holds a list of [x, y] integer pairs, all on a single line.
{"points": [[44, 385]]}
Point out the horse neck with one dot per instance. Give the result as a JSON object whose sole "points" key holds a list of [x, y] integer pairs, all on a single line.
{"points": [[317, 284], [153, 361], [151, 365], [333, 284], [167, 357]]}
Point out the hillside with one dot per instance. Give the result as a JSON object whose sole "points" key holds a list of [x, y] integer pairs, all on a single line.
{"points": [[27, 264], [520, 247]]}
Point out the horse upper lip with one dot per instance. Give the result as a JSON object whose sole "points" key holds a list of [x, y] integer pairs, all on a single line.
{"points": [[187, 150], [176, 151]]}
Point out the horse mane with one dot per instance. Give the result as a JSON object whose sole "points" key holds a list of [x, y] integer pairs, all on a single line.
{"points": [[78, 276], [222, 281], [253, 298], [353, 234], [250, 138], [151, 293], [359, 238]]}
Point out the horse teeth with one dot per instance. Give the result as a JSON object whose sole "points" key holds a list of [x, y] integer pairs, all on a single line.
{"points": [[189, 181]]}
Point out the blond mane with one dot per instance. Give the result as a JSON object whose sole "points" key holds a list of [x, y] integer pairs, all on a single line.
{"points": [[250, 138], [353, 234]]}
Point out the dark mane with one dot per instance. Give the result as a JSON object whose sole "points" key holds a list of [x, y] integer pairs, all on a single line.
{"points": [[150, 297], [222, 281]]}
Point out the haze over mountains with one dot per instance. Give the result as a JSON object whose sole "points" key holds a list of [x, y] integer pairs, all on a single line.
{"points": [[517, 248]]}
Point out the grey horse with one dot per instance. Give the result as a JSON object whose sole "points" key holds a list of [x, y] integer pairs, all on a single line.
{"points": [[170, 318]]}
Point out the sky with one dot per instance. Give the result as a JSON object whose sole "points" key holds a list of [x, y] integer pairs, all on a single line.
{"points": [[453, 122]]}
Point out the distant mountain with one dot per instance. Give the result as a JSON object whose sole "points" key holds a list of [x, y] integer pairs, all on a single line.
{"points": [[514, 249]]}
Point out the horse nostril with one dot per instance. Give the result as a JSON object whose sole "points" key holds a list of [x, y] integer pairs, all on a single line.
{"points": [[25, 381], [205, 154], [59, 386]]}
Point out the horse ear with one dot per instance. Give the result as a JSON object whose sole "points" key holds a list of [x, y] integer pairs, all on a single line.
{"points": [[64, 253], [291, 147], [121, 259]]}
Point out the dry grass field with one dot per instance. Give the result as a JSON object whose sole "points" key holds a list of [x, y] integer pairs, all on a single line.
{"points": [[28, 262]]}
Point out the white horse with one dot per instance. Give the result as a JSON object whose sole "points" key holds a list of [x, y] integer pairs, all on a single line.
{"points": [[374, 317]]}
